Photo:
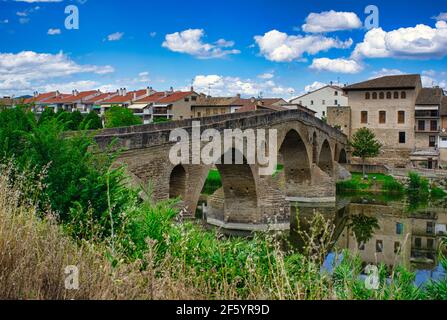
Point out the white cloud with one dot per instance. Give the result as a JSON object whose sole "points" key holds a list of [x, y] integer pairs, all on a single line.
{"points": [[115, 36], [420, 42], [28, 69], [385, 72], [441, 16], [281, 47], [314, 86], [53, 32], [230, 86], [190, 42], [82, 85], [432, 78], [336, 65], [330, 21], [266, 76]]}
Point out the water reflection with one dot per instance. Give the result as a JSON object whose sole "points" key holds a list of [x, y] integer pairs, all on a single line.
{"points": [[383, 230]]}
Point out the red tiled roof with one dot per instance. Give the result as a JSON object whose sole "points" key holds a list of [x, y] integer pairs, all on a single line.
{"points": [[129, 97], [40, 97], [56, 100], [79, 97], [176, 96], [152, 98], [99, 98]]}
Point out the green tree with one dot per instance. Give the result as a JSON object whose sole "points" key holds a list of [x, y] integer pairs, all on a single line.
{"points": [[117, 117], [365, 145], [46, 115], [76, 119], [91, 122]]}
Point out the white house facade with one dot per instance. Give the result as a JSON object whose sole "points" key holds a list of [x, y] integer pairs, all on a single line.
{"points": [[319, 100]]}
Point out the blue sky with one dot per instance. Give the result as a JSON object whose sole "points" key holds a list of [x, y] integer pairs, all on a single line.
{"points": [[279, 48]]}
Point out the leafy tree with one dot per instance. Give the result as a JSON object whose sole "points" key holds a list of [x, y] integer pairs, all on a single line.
{"points": [[363, 227], [365, 145], [46, 115], [91, 122], [117, 117], [14, 124], [76, 119]]}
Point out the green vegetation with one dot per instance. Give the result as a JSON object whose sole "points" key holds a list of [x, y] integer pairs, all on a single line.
{"points": [[62, 200], [374, 183], [91, 122], [212, 183], [117, 117], [365, 145]]}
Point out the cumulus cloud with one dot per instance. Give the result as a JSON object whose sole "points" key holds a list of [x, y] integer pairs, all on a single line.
{"points": [[432, 78], [441, 16], [53, 32], [115, 36], [230, 86], [190, 42], [336, 65], [267, 76], [24, 70], [281, 47], [385, 72], [330, 21], [419, 42]]}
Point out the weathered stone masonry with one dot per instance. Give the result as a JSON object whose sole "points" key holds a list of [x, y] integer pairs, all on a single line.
{"points": [[308, 148]]}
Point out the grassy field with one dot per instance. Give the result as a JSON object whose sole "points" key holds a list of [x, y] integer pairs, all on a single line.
{"points": [[374, 183]]}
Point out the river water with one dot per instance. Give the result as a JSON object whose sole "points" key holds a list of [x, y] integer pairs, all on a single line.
{"points": [[381, 230]]}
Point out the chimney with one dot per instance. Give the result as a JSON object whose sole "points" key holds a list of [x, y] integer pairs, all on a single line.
{"points": [[36, 94], [124, 91], [332, 83], [75, 92], [57, 93], [172, 89], [134, 96], [238, 96], [149, 91], [252, 99], [192, 89]]}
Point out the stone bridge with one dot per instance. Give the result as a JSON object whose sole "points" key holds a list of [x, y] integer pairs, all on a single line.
{"points": [[309, 150]]}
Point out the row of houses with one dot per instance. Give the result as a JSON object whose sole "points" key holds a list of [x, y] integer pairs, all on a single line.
{"points": [[151, 105]]}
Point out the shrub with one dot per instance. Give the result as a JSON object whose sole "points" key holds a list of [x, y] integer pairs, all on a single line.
{"points": [[392, 186], [117, 117], [91, 122]]}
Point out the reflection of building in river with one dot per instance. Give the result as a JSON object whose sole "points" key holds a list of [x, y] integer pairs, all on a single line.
{"points": [[399, 239]]}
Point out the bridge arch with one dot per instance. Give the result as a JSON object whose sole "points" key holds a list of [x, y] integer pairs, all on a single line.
{"points": [[314, 148], [294, 156], [325, 162], [177, 182], [343, 157], [239, 190]]}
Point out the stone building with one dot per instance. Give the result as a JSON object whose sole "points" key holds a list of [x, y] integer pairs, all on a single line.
{"points": [[404, 116], [443, 133], [323, 98]]}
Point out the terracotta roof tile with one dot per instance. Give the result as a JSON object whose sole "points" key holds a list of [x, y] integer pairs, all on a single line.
{"points": [[430, 96], [407, 81], [176, 96]]}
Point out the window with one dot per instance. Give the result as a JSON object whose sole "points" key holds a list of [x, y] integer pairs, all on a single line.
{"points": [[399, 228], [382, 96], [367, 96], [379, 246], [186, 99], [421, 125], [430, 227], [311, 102], [382, 117], [402, 137], [336, 93], [388, 95], [361, 246], [324, 113], [396, 95], [336, 102], [193, 98], [199, 114], [432, 141], [364, 117], [323, 102], [403, 95], [375, 95], [216, 111], [430, 243], [396, 247], [433, 125], [222, 110], [418, 243], [400, 116]]}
